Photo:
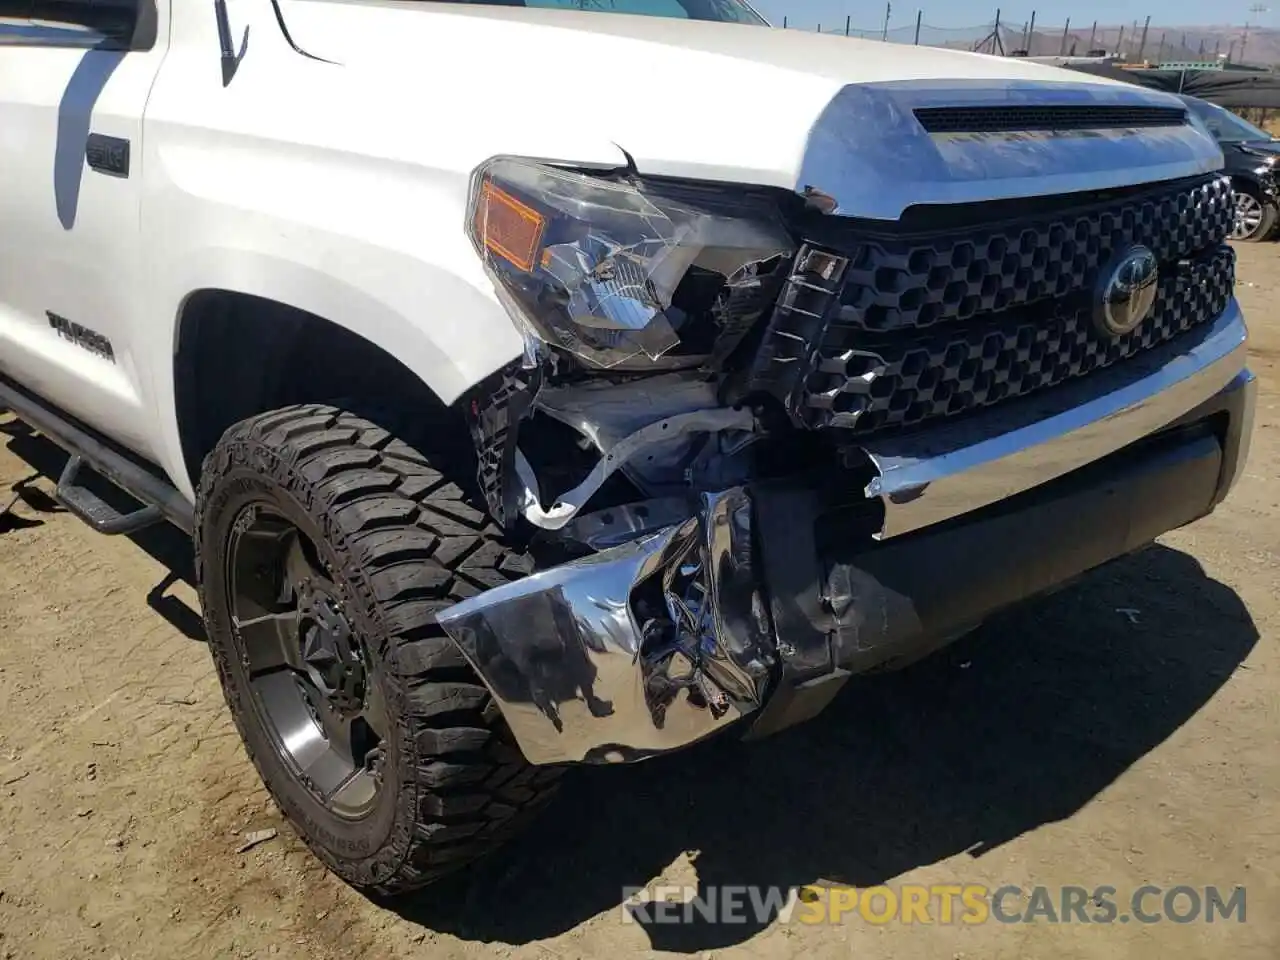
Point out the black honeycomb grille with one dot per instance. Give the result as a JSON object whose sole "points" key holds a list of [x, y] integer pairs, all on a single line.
{"points": [[998, 119], [897, 282], [872, 383], [892, 330]]}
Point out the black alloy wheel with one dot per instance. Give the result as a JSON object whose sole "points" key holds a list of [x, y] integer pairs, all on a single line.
{"points": [[308, 672]]}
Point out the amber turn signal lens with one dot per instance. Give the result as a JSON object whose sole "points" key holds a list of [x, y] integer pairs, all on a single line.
{"points": [[507, 227]]}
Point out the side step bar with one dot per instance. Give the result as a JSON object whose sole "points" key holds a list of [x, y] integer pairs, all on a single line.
{"points": [[95, 511], [160, 498]]}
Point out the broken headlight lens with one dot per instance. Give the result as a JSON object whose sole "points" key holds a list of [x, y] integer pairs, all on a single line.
{"points": [[622, 274]]}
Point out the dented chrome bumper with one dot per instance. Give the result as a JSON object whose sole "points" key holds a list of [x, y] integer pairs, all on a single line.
{"points": [[636, 650], [756, 605]]}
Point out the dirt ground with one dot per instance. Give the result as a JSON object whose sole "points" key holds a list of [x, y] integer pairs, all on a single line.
{"points": [[1121, 732]]}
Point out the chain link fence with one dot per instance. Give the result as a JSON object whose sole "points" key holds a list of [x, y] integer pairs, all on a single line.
{"points": [[1135, 42]]}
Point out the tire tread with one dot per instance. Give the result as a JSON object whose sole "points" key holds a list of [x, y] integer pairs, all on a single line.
{"points": [[421, 545]]}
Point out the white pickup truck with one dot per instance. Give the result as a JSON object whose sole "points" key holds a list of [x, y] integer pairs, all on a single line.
{"points": [[544, 385]]}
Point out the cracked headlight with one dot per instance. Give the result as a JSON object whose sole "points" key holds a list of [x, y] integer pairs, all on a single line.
{"points": [[625, 274]]}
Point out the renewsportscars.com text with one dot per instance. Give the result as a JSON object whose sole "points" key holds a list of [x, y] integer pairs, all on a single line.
{"points": [[934, 904]]}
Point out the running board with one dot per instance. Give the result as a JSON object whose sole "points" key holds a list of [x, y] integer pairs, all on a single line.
{"points": [[160, 499], [96, 512]]}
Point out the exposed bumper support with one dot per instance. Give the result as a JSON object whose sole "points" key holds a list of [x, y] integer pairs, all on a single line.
{"points": [[763, 603], [933, 476]]}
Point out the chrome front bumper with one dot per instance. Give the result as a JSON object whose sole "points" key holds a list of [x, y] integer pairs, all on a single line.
{"points": [[936, 475], [662, 641]]}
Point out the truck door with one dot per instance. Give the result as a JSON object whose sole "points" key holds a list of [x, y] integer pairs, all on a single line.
{"points": [[74, 80]]}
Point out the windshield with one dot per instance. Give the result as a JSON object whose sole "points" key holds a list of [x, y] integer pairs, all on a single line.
{"points": [[722, 11], [1225, 125]]}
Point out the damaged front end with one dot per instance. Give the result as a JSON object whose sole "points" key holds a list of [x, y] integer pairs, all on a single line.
{"points": [[638, 649], [742, 424], [612, 447]]}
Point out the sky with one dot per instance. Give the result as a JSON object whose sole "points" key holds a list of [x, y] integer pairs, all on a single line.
{"points": [[869, 14]]}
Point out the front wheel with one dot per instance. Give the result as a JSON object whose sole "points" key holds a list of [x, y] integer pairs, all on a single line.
{"points": [[1255, 216], [325, 546]]}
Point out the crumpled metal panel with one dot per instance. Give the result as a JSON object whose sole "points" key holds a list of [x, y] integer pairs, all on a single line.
{"points": [[639, 649]]}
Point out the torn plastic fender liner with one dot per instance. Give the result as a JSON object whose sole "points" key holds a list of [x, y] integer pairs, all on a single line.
{"points": [[636, 650]]}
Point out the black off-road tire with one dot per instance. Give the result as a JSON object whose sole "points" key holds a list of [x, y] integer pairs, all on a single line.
{"points": [[403, 542]]}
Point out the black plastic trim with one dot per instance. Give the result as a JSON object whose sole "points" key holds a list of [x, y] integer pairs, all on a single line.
{"points": [[109, 155], [288, 37], [895, 601], [1046, 117]]}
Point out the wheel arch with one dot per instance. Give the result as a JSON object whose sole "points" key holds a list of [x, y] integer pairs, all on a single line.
{"points": [[413, 310], [246, 324], [1248, 179]]}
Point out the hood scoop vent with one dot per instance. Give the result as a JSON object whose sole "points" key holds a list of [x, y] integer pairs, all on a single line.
{"points": [[1046, 118]]}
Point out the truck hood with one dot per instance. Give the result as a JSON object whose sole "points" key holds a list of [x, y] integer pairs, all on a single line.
{"points": [[738, 103]]}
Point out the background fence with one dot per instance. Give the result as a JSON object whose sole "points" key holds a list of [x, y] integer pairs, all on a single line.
{"points": [[1138, 41]]}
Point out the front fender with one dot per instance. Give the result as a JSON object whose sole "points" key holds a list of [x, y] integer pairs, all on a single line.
{"points": [[338, 190], [449, 332]]}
